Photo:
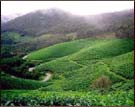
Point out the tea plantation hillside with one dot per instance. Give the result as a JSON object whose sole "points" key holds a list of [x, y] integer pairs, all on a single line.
{"points": [[57, 57], [85, 72], [85, 62]]}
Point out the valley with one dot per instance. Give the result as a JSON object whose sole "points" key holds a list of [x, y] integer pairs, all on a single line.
{"points": [[59, 59]]}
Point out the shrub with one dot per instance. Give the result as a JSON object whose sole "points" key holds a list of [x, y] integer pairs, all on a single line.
{"points": [[101, 83]]}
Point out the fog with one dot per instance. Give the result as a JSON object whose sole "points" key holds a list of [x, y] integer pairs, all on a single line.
{"points": [[74, 7]]}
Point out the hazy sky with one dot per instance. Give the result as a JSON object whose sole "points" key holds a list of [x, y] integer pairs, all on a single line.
{"points": [[75, 7]]}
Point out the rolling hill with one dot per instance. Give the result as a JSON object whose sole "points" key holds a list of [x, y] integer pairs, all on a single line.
{"points": [[86, 60], [104, 67]]}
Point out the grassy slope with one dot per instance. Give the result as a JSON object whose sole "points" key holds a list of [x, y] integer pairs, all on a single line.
{"points": [[62, 49], [78, 63], [75, 66]]}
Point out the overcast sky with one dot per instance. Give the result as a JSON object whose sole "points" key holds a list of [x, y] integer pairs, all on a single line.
{"points": [[75, 7]]}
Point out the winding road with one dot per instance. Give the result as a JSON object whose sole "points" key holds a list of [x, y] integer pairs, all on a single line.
{"points": [[25, 57], [47, 77]]}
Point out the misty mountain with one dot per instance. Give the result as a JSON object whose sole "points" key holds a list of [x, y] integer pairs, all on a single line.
{"points": [[56, 21], [6, 18], [44, 21], [44, 28]]}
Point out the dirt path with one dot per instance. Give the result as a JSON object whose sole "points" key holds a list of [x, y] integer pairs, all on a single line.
{"points": [[25, 57], [31, 69], [12, 76], [47, 77]]}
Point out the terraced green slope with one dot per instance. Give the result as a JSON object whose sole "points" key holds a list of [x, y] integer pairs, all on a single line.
{"points": [[89, 72], [77, 64], [62, 49]]}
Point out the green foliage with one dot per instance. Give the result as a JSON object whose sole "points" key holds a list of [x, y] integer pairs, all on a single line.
{"points": [[59, 50], [10, 38], [86, 61], [18, 67], [86, 49], [10, 44], [122, 65], [12, 82], [12, 61], [107, 48], [123, 85], [41, 98], [59, 66], [76, 66], [126, 70]]}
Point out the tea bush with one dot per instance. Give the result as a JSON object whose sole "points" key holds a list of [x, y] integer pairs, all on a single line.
{"points": [[69, 98]]}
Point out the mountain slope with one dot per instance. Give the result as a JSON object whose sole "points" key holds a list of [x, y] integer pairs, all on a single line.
{"points": [[40, 22], [59, 22], [6, 18], [43, 28]]}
